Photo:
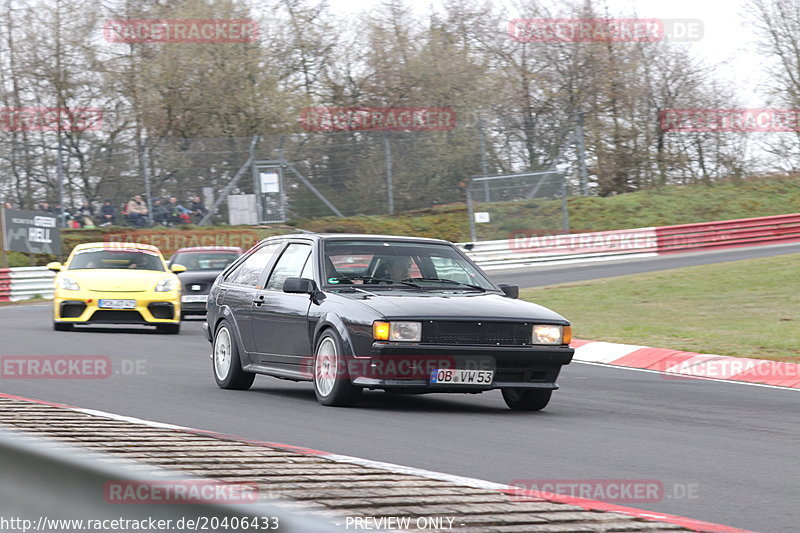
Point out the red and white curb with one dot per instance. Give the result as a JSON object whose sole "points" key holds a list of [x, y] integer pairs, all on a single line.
{"points": [[587, 504], [676, 364]]}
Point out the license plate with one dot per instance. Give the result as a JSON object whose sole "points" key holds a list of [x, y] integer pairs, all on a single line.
{"points": [[117, 304], [192, 298], [458, 376]]}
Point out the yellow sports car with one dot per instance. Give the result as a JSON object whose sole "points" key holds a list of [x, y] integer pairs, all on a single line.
{"points": [[110, 283]]}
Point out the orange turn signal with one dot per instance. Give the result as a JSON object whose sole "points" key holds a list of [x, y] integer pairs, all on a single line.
{"points": [[380, 331], [567, 335]]}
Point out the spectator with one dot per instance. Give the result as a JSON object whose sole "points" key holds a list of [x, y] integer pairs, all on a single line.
{"points": [[198, 209], [45, 207], [108, 215], [7, 205], [177, 213], [85, 214], [137, 211], [160, 213]]}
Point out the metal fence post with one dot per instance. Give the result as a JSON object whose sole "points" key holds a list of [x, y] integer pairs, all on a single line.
{"points": [[584, 174], [564, 206], [387, 143], [471, 214], [144, 169]]}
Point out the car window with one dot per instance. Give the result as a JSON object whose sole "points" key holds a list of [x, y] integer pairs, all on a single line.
{"points": [[308, 269], [391, 263], [248, 272], [290, 265], [448, 268], [122, 258], [205, 260]]}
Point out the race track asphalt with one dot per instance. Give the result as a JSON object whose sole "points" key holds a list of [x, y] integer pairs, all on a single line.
{"points": [[724, 452]]}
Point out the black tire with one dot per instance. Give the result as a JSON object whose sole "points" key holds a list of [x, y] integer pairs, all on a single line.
{"points": [[170, 329], [62, 326], [335, 390], [228, 374], [527, 399]]}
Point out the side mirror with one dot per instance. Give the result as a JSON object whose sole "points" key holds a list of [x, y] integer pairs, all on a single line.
{"points": [[299, 286], [510, 291], [55, 266], [177, 268]]}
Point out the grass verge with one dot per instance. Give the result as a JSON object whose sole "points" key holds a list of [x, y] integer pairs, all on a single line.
{"points": [[748, 308]]}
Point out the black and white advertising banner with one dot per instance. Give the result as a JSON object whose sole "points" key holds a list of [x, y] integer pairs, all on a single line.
{"points": [[31, 231]]}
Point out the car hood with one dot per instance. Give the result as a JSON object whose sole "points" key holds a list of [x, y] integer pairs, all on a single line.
{"points": [[118, 279], [453, 305]]}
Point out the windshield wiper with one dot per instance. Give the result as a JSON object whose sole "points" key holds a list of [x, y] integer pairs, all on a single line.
{"points": [[450, 281], [374, 283]]}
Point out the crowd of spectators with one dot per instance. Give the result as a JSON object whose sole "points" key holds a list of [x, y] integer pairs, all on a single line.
{"points": [[135, 212]]}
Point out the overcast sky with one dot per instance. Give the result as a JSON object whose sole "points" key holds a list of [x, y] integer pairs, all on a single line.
{"points": [[728, 40]]}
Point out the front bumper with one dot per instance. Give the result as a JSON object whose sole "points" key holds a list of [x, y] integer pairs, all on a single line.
{"points": [[409, 366], [83, 308]]}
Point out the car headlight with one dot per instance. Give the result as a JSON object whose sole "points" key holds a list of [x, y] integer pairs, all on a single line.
{"points": [[167, 284], [549, 334], [69, 284], [397, 331]]}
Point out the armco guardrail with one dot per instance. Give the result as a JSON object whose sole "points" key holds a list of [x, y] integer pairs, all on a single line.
{"points": [[523, 249], [729, 233], [5, 284], [54, 487], [30, 282]]}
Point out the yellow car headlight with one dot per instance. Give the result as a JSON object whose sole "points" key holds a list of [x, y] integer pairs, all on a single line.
{"points": [[397, 331], [166, 285], [548, 334], [68, 284]]}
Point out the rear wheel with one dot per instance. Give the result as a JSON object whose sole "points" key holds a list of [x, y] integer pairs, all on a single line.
{"points": [[527, 399], [62, 326], [331, 380], [228, 371], [172, 329]]}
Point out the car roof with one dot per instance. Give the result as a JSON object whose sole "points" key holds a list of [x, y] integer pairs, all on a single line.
{"points": [[193, 249], [356, 236]]}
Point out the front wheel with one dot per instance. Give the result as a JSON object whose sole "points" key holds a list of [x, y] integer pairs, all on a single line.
{"points": [[228, 371], [331, 380], [527, 399]]}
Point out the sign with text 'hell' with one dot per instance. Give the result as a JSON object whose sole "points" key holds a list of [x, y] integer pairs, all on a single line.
{"points": [[32, 232]]}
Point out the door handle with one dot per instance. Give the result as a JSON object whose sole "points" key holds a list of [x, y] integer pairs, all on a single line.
{"points": [[259, 299]]}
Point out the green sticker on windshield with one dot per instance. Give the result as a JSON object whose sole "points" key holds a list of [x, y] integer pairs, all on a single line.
{"points": [[333, 280]]}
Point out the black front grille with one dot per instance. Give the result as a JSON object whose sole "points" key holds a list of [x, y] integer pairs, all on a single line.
{"points": [[477, 333], [116, 317], [162, 310], [72, 309]]}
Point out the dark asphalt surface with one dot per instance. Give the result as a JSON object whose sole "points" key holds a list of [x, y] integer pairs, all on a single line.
{"points": [[724, 452]]}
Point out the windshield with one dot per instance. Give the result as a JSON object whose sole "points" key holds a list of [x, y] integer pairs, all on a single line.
{"points": [[204, 260], [403, 264], [91, 258]]}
